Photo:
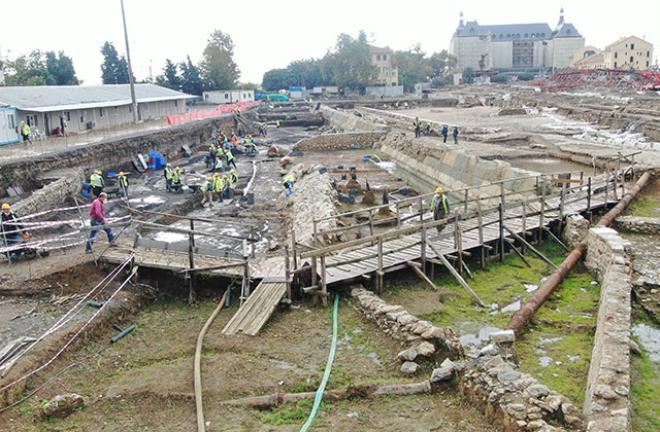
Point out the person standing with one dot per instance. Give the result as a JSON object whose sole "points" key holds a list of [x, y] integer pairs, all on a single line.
{"points": [[219, 186], [230, 158], [418, 127], [207, 191], [213, 154], [439, 206], [455, 134], [122, 180], [9, 228], [445, 133], [96, 182], [169, 173], [97, 218], [25, 131]]}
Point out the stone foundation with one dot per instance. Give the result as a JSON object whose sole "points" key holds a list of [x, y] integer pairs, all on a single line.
{"points": [[314, 198], [425, 341], [575, 230], [51, 195], [340, 141], [606, 405], [638, 224], [348, 121]]}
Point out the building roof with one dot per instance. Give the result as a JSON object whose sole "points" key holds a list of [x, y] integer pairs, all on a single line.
{"points": [[60, 98], [505, 31], [374, 49], [566, 30], [594, 59], [625, 38]]}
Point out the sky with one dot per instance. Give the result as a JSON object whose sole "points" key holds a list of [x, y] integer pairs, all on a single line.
{"points": [[270, 34]]}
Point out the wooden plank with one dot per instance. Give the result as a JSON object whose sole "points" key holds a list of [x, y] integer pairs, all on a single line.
{"points": [[458, 277]]}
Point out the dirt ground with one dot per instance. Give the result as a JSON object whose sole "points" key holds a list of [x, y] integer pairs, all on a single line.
{"points": [[144, 382]]}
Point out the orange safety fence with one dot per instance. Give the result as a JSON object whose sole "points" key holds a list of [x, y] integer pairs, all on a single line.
{"points": [[215, 112]]}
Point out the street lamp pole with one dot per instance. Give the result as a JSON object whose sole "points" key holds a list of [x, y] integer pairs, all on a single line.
{"points": [[130, 68]]}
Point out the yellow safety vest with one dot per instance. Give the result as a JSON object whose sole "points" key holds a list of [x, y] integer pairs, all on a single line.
{"points": [[26, 129], [219, 184], [123, 181], [96, 180]]}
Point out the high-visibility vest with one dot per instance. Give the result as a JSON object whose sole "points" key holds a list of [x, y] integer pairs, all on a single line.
{"points": [[443, 199], [169, 173], [123, 181], [96, 180], [207, 186], [230, 156], [233, 178], [26, 129], [290, 178], [219, 184], [176, 177]]}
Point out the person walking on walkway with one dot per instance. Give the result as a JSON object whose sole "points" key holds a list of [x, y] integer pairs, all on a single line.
{"points": [[439, 206], [96, 182], [97, 218], [445, 133], [25, 131], [455, 134]]}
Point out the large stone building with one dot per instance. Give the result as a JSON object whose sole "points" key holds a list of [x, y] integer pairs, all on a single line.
{"points": [[515, 46], [629, 53], [381, 58]]}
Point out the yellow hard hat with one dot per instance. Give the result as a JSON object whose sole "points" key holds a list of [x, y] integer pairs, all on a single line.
{"points": [[169, 165], [121, 173], [6, 206], [209, 178], [439, 189], [97, 172]]}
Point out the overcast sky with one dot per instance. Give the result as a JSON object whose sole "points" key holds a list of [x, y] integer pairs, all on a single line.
{"points": [[269, 34]]}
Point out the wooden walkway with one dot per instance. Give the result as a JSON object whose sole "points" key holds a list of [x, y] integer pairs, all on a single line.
{"points": [[258, 308]]}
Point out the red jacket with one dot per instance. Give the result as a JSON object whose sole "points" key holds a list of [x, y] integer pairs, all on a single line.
{"points": [[97, 212]]}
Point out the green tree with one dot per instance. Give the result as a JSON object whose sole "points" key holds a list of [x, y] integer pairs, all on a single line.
{"points": [[114, 69], [442, 63], [218, 68], [60, 69], [191, 79], [305, 73], [276, 79], [413, 67], [468, 75], [349, 64], [28, 70], [170, 77]]}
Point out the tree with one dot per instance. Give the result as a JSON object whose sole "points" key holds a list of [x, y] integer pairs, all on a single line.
{"points": [[218, 67], [442, 63], [276, 79], [349, 64], [170, 77], [114, 69], [468, 75], [306, 73], [60, 69], [191, 79], [413, 67]]}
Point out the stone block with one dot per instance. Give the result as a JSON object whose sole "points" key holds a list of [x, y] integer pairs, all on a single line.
{"points": [[409, 368]]}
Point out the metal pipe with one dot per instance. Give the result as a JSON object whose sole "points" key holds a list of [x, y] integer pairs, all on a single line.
{"points": [[525, 314]]}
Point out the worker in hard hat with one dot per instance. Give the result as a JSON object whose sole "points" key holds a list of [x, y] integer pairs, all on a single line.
{"points": [[169, 173], [289, 181], [122, 181], [213, 154], [207, 191], [250, 146], [227, 191], [230, 158], [233, 178], [177, 179], [219, 186], [96, 182], [10, 229], [439, 206]]}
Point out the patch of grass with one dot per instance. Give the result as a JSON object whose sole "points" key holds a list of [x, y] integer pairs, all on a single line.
{"points": [[569, 377], [645, 207], [645, 394], [288, 414], [576, 301]]}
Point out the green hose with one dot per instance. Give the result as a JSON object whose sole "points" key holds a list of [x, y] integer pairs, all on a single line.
{"points": [[328, 368]]}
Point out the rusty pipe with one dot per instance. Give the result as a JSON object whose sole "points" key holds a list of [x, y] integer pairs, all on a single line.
{"points": [[525, 314]]}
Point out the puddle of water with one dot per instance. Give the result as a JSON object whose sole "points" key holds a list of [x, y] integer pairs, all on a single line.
{"points": [[147, 201], [550, 165], [649, 337], [170, 237], [477, 339], [545, 361], [530, 288], [389, 166]]}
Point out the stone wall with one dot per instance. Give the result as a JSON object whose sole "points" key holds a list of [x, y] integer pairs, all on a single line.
{"points": [[575, 230], [514, 399], [606, 405], [51, 195], [638, 224], [424, 341], [314, 198], [348, 121], [340, 141]]}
